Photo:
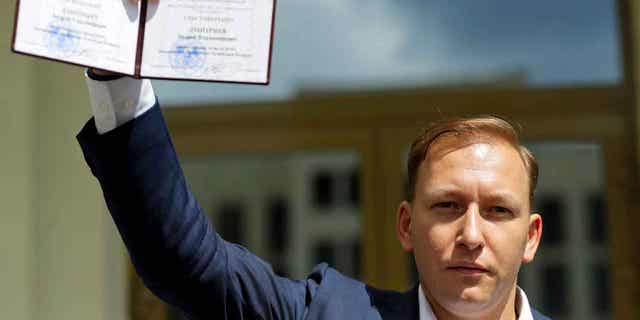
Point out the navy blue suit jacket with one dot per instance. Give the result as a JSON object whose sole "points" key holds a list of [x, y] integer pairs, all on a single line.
{"points": [[180, 257]]}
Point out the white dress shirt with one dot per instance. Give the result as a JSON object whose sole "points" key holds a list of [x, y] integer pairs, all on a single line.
{"points": [[522, 305], [115, 102]]}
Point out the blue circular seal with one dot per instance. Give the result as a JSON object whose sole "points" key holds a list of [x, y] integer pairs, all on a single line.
{"points": [[187, 55], [60, 39]]}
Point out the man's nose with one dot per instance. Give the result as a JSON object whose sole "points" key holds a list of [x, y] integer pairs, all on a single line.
{"points": [[471, 235]]}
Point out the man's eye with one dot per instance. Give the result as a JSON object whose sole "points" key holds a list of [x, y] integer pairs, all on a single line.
{"points": [[446, 205], [500, 210]]}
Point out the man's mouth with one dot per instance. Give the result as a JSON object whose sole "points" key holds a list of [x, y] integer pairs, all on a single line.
{"points": [[468, 268]]}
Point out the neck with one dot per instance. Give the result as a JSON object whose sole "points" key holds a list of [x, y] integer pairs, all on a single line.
{"points": [[504, 310]]}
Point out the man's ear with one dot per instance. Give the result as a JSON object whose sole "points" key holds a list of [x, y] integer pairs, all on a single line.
{"points": [[403, 226], [533, 237]]}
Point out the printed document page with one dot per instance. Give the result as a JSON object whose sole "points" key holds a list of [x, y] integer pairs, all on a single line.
{"points": [[221, 40], [95, 33]]}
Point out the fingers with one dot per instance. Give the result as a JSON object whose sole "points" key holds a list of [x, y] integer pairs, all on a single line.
{"points": [[150, 1], [100, 72]]}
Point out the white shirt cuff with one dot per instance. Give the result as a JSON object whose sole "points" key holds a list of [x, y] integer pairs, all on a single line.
{"points": [[116, 102]]}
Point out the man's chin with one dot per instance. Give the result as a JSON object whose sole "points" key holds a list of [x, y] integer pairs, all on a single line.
{"points": [[468, 301]]}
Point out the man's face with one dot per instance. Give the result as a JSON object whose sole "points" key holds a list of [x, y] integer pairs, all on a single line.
{"points": [[469, 226]]}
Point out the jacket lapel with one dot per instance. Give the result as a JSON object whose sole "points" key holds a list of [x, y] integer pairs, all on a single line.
{"points": [[394, 305]]}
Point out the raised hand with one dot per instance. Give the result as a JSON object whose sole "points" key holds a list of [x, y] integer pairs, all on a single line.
{"points": [[101, 72]]}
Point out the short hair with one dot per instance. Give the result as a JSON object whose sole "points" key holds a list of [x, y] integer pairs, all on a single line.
{"points": [[464, 130]]}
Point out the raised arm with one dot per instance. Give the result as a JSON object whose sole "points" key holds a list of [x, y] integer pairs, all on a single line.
{"points": [[173, 246]]}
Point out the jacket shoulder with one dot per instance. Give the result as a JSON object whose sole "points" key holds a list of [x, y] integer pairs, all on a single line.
{"points": [[332, 295], [538, 316]]}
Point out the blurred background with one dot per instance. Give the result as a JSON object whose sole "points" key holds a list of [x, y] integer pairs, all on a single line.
{"points": [[312, 167]]}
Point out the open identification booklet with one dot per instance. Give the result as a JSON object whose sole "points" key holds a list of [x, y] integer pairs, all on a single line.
{"points": [[207, 40]]}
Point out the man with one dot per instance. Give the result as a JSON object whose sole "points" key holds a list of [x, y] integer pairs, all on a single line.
{"points": [[466, 219]]}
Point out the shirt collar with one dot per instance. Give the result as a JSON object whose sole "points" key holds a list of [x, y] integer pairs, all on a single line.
{"points": [[522, 304]]}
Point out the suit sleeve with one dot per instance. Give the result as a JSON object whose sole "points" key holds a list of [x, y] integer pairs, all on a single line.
{"points": [[172, 244]]}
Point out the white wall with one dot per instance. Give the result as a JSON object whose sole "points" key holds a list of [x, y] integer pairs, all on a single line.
{"points": [[17, 252], [59, 258]]}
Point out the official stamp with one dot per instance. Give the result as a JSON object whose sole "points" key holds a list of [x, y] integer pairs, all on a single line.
{"points": [[60, 39], [187, 56]]}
